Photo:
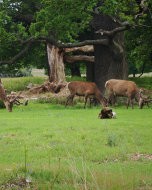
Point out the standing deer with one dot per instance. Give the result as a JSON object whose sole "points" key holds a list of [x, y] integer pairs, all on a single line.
{"points": [[115, 87], [86, 89], [8, 100]]}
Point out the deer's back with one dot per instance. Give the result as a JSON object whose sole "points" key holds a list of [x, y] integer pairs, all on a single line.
{"points": [[80, 88], [121, 87]]}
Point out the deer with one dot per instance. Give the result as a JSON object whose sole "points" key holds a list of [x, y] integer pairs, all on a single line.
{"points": [[143, 99], [8, 100], [86, 89], [116, 87]]}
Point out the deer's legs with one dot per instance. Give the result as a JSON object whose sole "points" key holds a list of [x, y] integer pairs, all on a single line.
{"points": [[69, 98], [86, 98], [130, 101]]}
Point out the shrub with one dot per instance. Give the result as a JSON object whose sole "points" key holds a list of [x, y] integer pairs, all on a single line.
{"points": [[144, 82], [2, 104]]}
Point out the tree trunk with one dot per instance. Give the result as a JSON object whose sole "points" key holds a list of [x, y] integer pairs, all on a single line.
{"points": [[56, 64], [90, 71], [109, 60]]}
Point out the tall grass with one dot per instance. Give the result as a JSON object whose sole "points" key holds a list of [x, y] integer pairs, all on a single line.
{"points": [[20, 83]]}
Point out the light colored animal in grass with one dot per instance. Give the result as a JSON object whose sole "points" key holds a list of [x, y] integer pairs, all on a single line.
{"points": [[115, 87]]}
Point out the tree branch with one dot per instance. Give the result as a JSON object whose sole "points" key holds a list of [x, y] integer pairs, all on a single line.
{"points": [[87, 48], [113, 32], [75, 44], [59, 44], [32, 40], [76, 58]]}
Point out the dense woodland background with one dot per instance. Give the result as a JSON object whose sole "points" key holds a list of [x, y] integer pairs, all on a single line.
{"points": [[124, 29]]}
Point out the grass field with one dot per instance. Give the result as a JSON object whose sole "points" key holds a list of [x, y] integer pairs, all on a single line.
{"points": [[54, 147]]}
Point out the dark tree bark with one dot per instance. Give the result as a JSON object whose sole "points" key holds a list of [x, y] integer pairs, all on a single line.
{"points": [[90, 71], [109, 60], [75, 70]]}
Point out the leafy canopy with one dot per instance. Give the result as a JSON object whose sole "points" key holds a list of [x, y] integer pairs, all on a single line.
{"points": [[65, 20]]}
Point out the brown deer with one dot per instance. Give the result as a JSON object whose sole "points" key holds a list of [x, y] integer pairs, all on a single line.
{"points": [[143, 99], [8, 100], [86, 89], [115, 87]]}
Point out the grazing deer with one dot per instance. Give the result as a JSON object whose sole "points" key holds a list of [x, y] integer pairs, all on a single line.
{"points": [[143, 100], [8, 100], [115, 87], [86, 89]]}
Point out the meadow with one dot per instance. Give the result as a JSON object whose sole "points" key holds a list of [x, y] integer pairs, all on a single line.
{"points": [[53, 147], [47, 146]]}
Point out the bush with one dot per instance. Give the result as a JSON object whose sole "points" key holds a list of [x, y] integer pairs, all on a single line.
{"points": [[144, 82], [2, 104], [8, 72]]}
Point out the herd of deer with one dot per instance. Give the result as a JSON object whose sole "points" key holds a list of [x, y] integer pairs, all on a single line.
{"points": [[114, 88], [88, 90]]}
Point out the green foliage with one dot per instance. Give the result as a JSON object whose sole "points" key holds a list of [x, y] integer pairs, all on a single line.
{"points": [[125, 10], [138, 47], [14, 28], [2, 104], [65, 21], [144, 82]]}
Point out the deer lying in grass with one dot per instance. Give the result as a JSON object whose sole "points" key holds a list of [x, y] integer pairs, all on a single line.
{"points": [[8, 100], [106, 113], [86, 89], [115, 87]]}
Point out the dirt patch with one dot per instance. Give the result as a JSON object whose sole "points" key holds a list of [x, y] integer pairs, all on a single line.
{"points": [[139, 156], [16, 184]]}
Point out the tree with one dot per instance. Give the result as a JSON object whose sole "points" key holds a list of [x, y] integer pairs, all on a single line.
{"points": [[139, 49], [59, 23]]}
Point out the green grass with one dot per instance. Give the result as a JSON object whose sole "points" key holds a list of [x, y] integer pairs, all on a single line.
{"points": [[20, 83], [70, 148]]}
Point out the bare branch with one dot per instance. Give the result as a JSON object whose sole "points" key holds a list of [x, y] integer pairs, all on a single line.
{"points": [[114, 31], [76, 58], [87, 48], [143, 7], [32, 40], [75, 44]]}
